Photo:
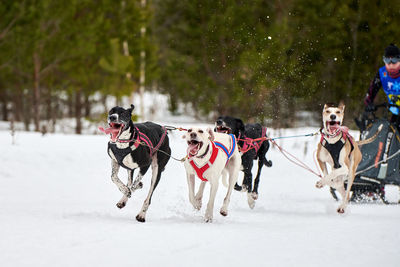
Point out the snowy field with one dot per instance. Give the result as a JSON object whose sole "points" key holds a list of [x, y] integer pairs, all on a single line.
{"points": [[57, 208]]}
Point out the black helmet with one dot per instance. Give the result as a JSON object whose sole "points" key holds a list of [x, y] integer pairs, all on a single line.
{"points": [[392, 51]]}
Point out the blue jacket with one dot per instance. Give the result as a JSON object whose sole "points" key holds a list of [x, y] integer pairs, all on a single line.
{"points": [[390, 86]]}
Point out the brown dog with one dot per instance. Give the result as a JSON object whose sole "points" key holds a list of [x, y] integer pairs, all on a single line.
{"points": [[338, 148]]}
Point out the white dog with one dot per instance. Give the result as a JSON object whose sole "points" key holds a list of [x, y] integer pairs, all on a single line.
{"points": [[210, 155]]}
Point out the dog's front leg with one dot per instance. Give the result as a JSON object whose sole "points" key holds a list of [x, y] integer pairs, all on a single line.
{"points": [[338, 183], [191, 183], [114, 177], [351, 176], [155, 178], [334, 179], [322, 166], [124, 199], [233, 170], [137, 184], [199, 196], [210, 206]]}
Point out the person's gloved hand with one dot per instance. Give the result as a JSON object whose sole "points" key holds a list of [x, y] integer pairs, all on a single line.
{"points": [[370, 108]]}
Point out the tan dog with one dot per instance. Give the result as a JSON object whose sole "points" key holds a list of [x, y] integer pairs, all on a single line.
{"points": [[210, 155], [338, 148]]}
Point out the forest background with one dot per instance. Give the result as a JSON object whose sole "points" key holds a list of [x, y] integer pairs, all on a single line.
{"points": [[261, 60]]}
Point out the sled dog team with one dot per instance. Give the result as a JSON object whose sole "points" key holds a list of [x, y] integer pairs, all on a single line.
{"points": [[231, 147]]}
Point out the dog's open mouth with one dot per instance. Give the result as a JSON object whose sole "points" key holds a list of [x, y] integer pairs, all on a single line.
{"points": [[224, 129], [114, 130], [193, 147], [332, 126]]}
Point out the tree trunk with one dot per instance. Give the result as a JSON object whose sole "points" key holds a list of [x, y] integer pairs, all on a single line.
{"points": [[36, 91], [87, 106], [104, 102], [78, 111], [27, 109], [276, 108], [18, 104], [354, 38], [3, 102], [291, 106], [49, 110], [71, 108], [142, 78], [54, 115]]}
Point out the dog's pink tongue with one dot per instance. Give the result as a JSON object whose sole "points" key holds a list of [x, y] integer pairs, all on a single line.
{"points": [[192, 149], [114, 132], [106, 131], [335, 127]]}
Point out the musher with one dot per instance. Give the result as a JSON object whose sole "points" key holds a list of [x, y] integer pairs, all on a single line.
{"points": [[387, 77]]}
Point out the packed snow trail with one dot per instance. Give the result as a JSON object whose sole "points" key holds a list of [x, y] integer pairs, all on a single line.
{"points": [[57, 207]]}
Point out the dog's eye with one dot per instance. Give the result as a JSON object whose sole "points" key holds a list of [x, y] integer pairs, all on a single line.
{"points": [[190, 130], [338, 112], [201, 131]]}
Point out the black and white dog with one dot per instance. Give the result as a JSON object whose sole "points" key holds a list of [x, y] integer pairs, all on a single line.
{"points": [[133, 146], [250, 150]]}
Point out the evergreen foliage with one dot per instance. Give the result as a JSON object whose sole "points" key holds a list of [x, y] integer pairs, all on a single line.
{"points": [[259, 60]]}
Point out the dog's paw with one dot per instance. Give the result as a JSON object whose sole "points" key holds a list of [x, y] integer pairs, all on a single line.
{"points": [[244, 188], [319, 184], [140, 217], [254, 195], [223, 212], [121, 204], [251, 201], [238, 187], [208, 219], [197, 204], [137, 186], [341, 209]]}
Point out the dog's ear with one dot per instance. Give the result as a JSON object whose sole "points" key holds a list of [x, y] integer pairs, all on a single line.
{"points": [[240, 125], [325, 106], [211, 134], [341, 105]]}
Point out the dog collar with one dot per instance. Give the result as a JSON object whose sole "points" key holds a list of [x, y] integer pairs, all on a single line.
{"points": [[128, 140], [204, 154]]}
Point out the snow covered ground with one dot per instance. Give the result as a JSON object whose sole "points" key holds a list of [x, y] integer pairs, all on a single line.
{"points": [[57, 208]]}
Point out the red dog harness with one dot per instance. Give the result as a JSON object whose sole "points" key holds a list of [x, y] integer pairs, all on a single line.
{"points": [[141, 137], [215, 147], [249, 143]]}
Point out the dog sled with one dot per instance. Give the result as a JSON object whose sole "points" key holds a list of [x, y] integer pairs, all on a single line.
{"points": [[379, 169]]}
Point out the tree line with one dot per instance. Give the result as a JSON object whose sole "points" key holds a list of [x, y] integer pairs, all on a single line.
{"points": [[259, 60], [55, 55]]}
